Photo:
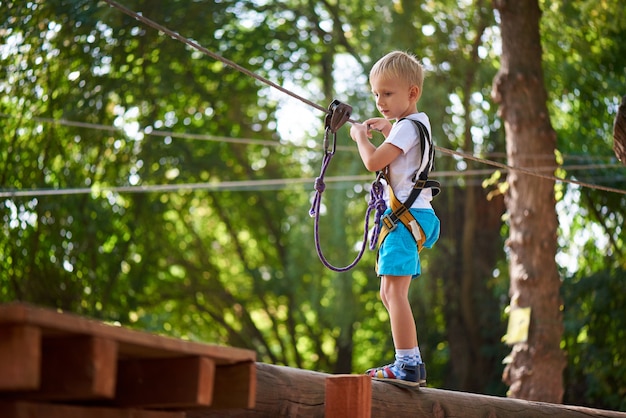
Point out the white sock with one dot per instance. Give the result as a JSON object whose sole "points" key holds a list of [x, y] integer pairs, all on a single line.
{"points": [[417, 354], [406, 356]]}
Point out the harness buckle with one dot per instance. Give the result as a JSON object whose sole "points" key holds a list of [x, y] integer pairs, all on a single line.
{"points": [[420, 184], [388, 222]]}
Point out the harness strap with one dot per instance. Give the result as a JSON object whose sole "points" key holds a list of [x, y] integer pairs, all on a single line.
{"points": [[421, 180], [400, 213]]}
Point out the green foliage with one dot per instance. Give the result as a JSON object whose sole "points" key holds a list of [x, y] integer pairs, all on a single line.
{"points": [[584, 62], [595, 328]]}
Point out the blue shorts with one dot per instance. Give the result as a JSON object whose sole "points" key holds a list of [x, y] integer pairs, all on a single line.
{"points": [[398, 255]]}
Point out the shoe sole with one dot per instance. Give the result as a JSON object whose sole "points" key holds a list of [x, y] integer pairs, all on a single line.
{"points": [[399, 383]]}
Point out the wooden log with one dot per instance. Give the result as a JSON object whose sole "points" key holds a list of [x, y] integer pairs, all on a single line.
{"points": [[280, 392], [288, 392], [22, 409]]}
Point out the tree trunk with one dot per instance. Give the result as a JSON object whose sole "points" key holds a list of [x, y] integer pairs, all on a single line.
{"points": [[535, 370]]}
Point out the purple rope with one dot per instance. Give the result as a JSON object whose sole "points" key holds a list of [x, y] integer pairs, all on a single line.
{"points": [[376, 203]]}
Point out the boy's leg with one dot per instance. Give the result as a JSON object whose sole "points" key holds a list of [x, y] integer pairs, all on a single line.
{"points": [[394, 292]]}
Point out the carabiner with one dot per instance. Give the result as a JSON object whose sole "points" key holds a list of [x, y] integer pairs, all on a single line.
{"points": [[327, 134]]}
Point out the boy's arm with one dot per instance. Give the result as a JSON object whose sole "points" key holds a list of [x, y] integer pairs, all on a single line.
{"points": [[374, 159]]}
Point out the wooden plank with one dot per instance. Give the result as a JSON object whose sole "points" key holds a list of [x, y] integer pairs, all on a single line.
{"points": [[235, 386], [185, 382], [77, 367], [42, 410], [20, 357], [131, 343], [348, 395]]}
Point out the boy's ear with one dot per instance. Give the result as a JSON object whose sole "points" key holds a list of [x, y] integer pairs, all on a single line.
{"points": [[414, 92]]}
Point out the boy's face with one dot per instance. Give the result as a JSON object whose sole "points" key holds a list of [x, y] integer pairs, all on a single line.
{"points": [[395, 98]]}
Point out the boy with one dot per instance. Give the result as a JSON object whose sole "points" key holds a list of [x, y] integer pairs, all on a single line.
{"points": [[396, 81]]}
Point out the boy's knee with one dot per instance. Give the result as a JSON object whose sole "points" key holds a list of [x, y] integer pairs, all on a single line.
{"points": [[383, 297]]}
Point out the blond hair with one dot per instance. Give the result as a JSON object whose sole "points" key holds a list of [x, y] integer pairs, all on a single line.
{"points": [[399, 65]]}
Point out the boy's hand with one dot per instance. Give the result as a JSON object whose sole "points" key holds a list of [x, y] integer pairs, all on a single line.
{"points": [[378, 124], [374, 158], [359, 131]]}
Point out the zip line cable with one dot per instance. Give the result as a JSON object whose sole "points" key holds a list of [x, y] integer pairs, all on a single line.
{"points": [[210, 186], [241, 185], [236, 185], [253, 141], [224, 185], [172, 134], [264, 183], [532, 172]]}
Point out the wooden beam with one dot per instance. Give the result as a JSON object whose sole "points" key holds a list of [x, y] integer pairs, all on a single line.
{"points": [[185, 382], [284, 391], [46, 355], [235, 386], [131, 343], [78, 367], [21, 409], [20, 357], [348, 395]]}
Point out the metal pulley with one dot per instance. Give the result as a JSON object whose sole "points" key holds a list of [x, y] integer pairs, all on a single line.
{"points": [[338, 114]]}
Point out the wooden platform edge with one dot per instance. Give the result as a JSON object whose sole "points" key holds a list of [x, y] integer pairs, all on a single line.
{"points": [[48, 356], [52, 321], [22, 409]]}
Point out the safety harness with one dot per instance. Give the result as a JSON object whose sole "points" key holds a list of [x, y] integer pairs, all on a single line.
{"points": [[400, 211], [338, 114]]}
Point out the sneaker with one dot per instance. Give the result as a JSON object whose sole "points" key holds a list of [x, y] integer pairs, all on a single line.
{"points": [[422, 374], [412, 373]]}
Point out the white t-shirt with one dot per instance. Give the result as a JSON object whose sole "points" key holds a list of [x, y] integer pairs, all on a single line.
{"points": [[404, 135]]}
